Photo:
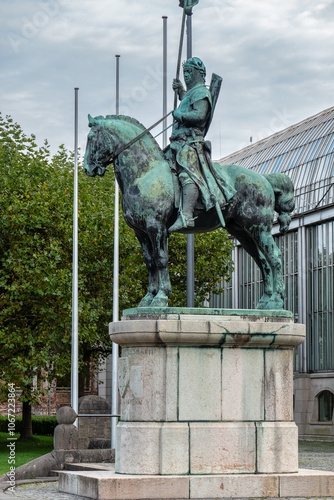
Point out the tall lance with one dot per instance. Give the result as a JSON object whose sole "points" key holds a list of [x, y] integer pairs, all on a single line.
{"points": [[187, 6], [215, 86], [178, 66]]}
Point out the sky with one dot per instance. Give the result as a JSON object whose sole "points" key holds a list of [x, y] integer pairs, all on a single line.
{"points": [[275, 57]]}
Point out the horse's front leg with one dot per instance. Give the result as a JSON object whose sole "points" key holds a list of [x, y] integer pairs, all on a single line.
{"points": [[159, 240], [153, 277]]}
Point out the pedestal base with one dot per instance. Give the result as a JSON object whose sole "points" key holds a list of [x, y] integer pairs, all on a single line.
{"points": [[206, 447], [109, 486], [206, 393]]}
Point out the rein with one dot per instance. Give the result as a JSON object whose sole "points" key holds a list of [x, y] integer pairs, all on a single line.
{"points": [[135, 139]]}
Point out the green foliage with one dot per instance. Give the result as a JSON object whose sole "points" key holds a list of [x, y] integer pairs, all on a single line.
{"points": [[36, 263], [41, 426], [36, 229], [212, 265]]}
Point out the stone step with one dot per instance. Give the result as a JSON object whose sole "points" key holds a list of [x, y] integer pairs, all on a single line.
{"points": [[90, 467], [104, 485]]}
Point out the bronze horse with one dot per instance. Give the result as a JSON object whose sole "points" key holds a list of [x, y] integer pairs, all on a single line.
{"points": [[148, 188]]}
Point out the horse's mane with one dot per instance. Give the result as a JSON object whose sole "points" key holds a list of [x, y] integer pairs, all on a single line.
{"points": [[128, 119], [135, 122]]}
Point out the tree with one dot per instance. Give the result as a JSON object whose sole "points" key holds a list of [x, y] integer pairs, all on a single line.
{"points": [[36, 264]]}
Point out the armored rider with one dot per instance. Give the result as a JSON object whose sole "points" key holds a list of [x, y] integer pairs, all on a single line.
{"points": [[189, 153]]}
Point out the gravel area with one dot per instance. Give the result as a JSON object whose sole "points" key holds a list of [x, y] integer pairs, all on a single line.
{"points": [[42, 491], [316, 455]]}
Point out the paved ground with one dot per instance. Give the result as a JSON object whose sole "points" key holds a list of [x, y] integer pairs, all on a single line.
{"points": [[316, 455], [312, 455]]}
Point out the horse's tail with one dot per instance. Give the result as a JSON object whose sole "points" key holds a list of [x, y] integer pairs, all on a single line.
{"points": [[284, 198]]}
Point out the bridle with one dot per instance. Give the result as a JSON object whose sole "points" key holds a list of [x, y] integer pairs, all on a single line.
{"points": [[137, 138]]}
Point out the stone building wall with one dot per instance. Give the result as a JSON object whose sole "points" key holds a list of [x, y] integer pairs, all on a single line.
{"points": [[48, 405], [307, 389]]}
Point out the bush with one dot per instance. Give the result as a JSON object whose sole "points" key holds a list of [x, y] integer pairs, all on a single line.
{"points": [[41, 426]]}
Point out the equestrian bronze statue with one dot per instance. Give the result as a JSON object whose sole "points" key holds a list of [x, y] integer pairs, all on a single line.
{"points": [[180, 189]]}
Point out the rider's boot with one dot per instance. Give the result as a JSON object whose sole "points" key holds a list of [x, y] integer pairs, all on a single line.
{"points": [[185, 217]]}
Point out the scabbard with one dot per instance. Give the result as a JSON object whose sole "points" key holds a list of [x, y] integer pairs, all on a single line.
{"points": [[203, 163]]}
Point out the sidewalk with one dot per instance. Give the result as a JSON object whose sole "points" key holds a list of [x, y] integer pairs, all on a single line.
{"points": [[312, 455]]}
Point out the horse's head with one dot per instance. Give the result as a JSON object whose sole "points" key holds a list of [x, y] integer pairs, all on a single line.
{"points": [[99, 147]]}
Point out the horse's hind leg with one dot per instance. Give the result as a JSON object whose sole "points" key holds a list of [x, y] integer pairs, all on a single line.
{"points": [[153, 277], [273, 255], [267, 280], [251, 247]]}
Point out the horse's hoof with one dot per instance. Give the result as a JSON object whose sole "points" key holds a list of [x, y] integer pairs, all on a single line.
{"points": [[275, 304], [159, 303], [262, 304], [160, 300], [146, 301]]}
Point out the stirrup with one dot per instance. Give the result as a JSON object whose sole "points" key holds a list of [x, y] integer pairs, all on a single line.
{"points": [[187, 221], [182, 222]]}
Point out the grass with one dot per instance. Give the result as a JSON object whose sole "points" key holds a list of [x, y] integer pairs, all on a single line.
{"points": [[25, 450]]}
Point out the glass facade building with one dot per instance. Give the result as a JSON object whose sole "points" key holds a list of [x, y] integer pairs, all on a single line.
{"points": [[304, 152]]}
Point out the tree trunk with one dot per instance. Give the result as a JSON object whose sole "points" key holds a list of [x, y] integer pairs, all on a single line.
{"points": [[26, 430], [81, 384], [84, 373]]}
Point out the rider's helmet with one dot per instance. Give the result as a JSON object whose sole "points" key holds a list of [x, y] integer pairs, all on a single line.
{"points": [[196, 63]]}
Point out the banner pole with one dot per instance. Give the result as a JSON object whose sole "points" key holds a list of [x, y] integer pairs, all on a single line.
{"points": [[75, 327], [115, 348]]}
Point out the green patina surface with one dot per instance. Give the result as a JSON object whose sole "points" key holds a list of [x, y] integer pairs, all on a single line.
{"points": [[207, 312], [180, 189]]}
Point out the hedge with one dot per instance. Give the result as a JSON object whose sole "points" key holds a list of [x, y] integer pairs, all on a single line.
{"points": [[41, 426]]}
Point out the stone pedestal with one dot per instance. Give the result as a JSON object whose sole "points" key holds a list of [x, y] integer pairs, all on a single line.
{"points": [[206, 410], [206, 393]]}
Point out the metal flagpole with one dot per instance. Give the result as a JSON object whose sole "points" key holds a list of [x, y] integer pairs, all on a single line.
{"points": [[190, 237], [115, 349], [75, 329], [164, 110]]}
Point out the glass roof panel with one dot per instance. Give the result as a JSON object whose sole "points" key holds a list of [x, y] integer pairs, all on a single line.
{"points": [[304, 151]]}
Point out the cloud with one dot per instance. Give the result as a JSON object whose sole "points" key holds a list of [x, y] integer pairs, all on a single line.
{"points": [[275, 58]]}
